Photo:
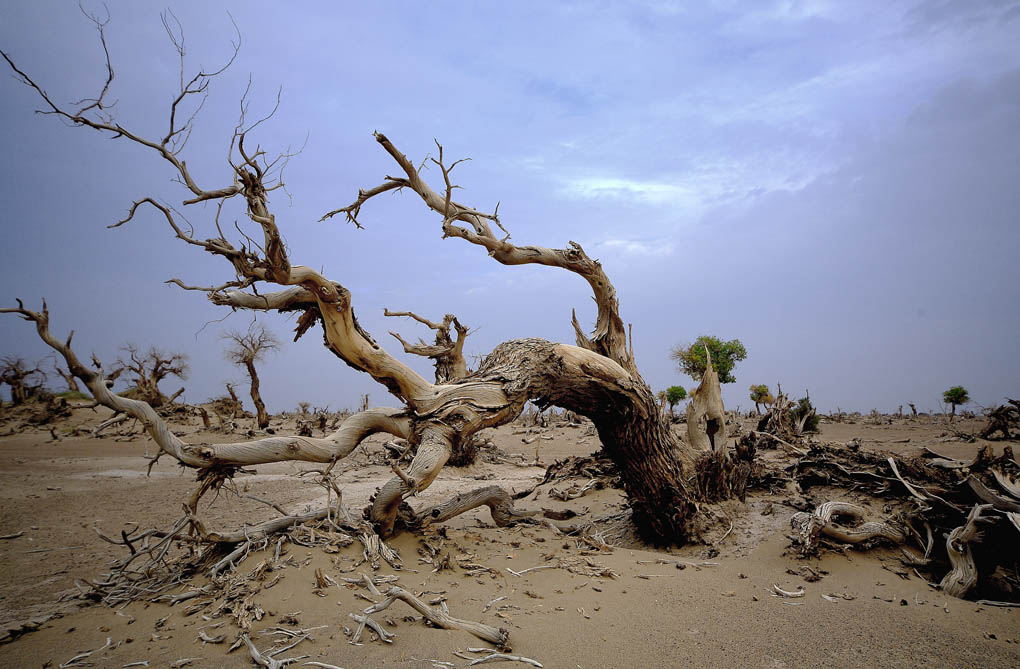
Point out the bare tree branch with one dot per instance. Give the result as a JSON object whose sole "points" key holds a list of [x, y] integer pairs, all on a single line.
{"points": [[609, 337]]}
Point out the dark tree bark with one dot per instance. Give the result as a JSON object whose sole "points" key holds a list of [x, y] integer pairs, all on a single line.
{"points": [[256, 398], [17, 374]]}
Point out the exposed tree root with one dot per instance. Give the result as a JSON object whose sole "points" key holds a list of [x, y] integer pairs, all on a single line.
{"points": [[496, 498], [811, 526]]}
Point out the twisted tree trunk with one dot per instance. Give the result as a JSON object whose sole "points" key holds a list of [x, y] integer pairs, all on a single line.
{"points": [[256, 398]]}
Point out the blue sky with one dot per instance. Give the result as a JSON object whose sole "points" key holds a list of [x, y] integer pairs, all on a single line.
{"points": [[835, 184]]}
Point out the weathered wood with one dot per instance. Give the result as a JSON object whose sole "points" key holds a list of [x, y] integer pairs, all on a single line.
{"points": [[964, 574], [441, 619], [811, 526], [706, 415]]}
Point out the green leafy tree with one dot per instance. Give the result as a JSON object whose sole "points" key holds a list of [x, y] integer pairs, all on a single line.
{"points": [[692, 361], [675, 395], [760, 395], [954, 396]]}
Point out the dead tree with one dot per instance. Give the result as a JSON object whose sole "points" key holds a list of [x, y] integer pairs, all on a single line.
{"points": [[446, 354], [25, 380], [148, 369], [245, 349], [596, 377], [663, 398], [235, 403], [706, 416], [1001, 419], [68, 377]]}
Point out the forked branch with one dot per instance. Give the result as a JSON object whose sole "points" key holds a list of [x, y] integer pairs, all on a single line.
{"points": [[609, 337], [447, 353]]}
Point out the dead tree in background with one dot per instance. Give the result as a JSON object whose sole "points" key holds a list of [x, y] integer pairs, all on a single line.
{"points": [[25, 380], [68, 377], [1001, 419], [447, 354], [148, 369], [235, 403], [597, 377], [245, 349]]}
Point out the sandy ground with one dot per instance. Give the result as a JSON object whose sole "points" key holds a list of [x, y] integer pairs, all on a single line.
{"points": [[715, 611]]}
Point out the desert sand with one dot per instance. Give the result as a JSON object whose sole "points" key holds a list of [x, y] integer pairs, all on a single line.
{"points": [[631, 605]]}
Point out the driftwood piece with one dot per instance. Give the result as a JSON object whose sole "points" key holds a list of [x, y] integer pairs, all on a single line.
{"points": [[76, 661], [988, 497], [1006, 483], [264, 660], [936, 459], [441, 619], [363, 621], [259, 531], [116, 419], [493, 656], [812, 526], [964, 574]]}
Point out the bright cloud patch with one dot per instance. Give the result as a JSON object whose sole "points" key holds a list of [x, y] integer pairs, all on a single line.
{"points": [[650, 192], [655, 247]]}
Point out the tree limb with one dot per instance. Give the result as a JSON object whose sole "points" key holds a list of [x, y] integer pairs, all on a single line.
{"points": [[609, 337]]}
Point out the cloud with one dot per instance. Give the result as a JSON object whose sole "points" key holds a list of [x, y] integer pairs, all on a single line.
{"points": [[638, 247], [650, 192]]}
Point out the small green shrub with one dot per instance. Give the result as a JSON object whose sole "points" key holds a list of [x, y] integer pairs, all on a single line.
{"points": [[74, 395]]}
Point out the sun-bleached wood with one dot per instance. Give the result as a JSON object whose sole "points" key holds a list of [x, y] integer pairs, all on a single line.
{"points": [[964, 574], [811, 526], [706, 415], [446, 353]]}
